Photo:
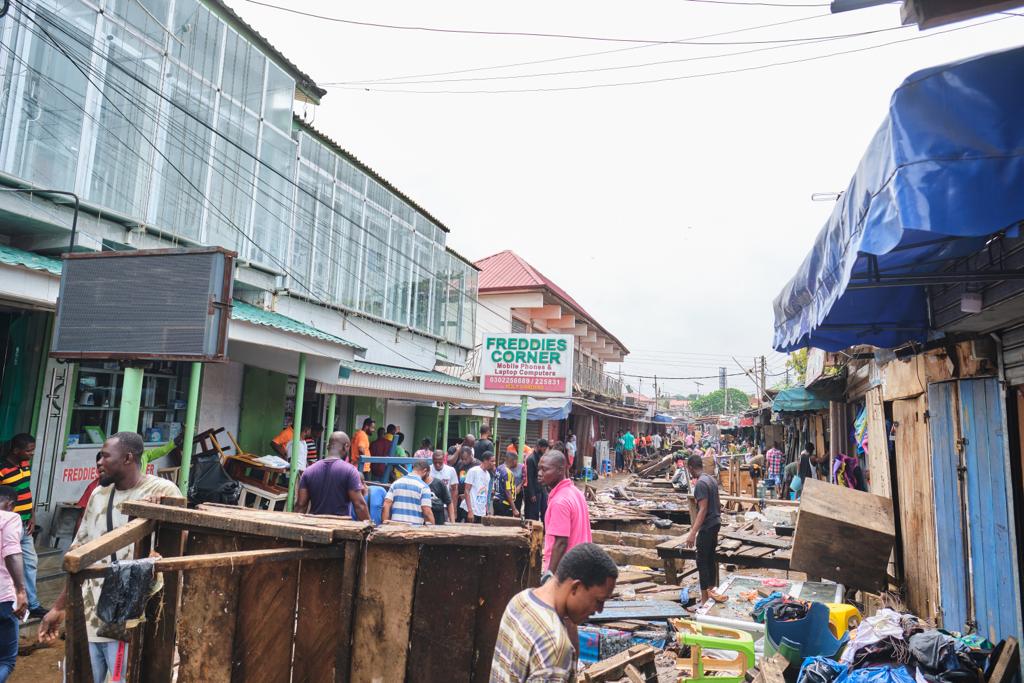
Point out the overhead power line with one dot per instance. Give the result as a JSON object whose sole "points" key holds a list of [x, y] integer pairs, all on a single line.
{"points": [[511, 34], [666, 79]]}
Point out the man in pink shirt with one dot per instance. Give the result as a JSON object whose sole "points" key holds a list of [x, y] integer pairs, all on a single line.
{"points": [[13, 600], [567, 520]]}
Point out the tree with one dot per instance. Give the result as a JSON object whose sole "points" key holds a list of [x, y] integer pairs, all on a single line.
{"points": [[715, 403], [797, 366]]}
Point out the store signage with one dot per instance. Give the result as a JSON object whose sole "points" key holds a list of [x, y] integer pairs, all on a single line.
{"points": [[527, 364]]}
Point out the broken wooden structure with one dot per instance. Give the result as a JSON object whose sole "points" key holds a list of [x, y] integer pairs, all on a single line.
{"points": [[270, 596]]}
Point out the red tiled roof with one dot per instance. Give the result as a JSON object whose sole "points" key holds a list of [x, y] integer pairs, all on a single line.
{"points": [[507, 271]]}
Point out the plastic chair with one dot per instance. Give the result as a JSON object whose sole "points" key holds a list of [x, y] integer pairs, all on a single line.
{"points": [[712, 670], [801, 638], [842, 618]]}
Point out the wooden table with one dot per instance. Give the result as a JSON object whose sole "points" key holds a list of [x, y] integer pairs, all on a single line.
{"points": [[248, 470], [749, 554]]}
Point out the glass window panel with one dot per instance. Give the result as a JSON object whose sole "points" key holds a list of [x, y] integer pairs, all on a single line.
{"points": [[422, 283], [403, 211], [305, 227], [123, 161], [243, 71], [278, 98], [441, 272], [322, 252], [148, 17], [351, 176], [187, 149], [376, 193], [375, 264], [272, 219], [199, 34], [278, 151], [348, 221], [453, 301], [399, 273], [231, 185], [49, 133], [467, 334]]}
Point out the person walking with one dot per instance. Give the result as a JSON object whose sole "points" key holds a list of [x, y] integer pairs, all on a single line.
{"points": [[704, 530], [620, 451], [16, 472], [567, 520], [409, 500], [440, 498], [121, 479], [441, 471], [629, 449], [463, 463], [773, 465], [484, 443], [329, 485], [536, 497], [534, 639], [361, 444], [13, 594], [476, 493], [505, 488]]}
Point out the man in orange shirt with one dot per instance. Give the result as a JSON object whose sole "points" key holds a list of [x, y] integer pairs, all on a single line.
{"points": [[280, 442], [361, 442]]}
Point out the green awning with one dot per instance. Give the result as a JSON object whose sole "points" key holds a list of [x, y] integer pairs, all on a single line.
{"points": [[394, 372], [248, 313], [18, 257], [798, 400]]}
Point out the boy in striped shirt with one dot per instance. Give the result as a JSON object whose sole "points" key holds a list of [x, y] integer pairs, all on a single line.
{"points": [[409, 500], [16, 472], [537, 640]]}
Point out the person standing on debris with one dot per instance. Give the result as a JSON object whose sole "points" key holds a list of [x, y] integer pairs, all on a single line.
{"points": [[620, 451], [629, 446], [121, 479], [409, 500], [441, 471], [16, 472], [505, 487], [656, 442], [476, 493], [13, 595], [536, 497], [329, 485], [704, 529], [484, 443], [567, 521], [534, 639]]}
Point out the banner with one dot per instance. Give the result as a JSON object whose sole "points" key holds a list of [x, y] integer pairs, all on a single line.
{"points": [[527, 364]]}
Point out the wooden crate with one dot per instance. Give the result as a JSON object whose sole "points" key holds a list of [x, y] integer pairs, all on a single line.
{"points": [[271, 596], [843, 535]]}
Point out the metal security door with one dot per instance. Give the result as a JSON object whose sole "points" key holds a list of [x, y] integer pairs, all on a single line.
{"points": [[992, 541], [943, 411]]}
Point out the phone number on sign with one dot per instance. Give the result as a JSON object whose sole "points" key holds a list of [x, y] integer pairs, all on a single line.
{"points": [[525, 383]]}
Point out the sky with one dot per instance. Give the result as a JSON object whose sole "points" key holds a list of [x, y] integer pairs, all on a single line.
{"points": [[673, 211]]}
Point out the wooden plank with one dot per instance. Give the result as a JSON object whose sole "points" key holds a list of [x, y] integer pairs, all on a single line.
{"points": [[624, 554], [319, 611], [451, 534], [103, 547], [207, 614], [748, 499], [442, 607], [1007, 664], [253, 522], [76, 644], [613, 668], [635, 540], [162, 613], [262, 650], [343, 630], [914, 479], [752, 539], [383, 612], [879, 479], [241, 558], [503, 571]]}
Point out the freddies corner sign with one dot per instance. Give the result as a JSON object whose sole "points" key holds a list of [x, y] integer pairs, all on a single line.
{"points": [[527, 364]]}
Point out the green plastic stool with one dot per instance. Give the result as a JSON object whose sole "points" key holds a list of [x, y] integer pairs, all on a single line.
{"points": [[698, 636]]}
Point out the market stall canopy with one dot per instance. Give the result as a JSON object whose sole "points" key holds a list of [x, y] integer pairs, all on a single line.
{"points": [[797, 400], [660, 418], [932, 187], [539, 409]]}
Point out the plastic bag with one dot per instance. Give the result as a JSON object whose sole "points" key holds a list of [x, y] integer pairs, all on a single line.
{"points": [[820, 670], [126, 589], [876, 674]]}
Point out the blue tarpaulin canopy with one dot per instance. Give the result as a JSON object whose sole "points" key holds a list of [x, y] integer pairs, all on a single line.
{"points": [[797, 400], [941, 177], [539, 409], [662, 419]]}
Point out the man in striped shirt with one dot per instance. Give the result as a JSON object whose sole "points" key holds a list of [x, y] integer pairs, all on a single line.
{"points": [[773, 463], [16, 472], [534, 643], [409, 500]]}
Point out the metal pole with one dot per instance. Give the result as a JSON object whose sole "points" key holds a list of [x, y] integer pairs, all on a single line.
{"points": [[444, 431], [131, 400], [524, 406], [300, 391], [190, 427], [332, 402]]}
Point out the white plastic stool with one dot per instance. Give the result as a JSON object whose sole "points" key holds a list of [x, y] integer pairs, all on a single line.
{"points": [[260, 497]]}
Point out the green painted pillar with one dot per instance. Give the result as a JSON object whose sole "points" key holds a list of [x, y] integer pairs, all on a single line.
{"points": [[332, 404], [190, 427], [131, 400], [524, 406], [494, 424], [293, 471], [444, 431]]}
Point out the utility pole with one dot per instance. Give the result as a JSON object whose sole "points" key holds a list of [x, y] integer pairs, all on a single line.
{"points": [[699, 385], [764, 381]]}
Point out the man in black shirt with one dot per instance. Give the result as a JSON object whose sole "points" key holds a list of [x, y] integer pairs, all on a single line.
{"points": [[536, 496], [704, 529], [440, 498], [484, 443]]}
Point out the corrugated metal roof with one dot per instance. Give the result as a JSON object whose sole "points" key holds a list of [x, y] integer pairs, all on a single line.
{"points": [[19, 257], [327, 140], [395, 372], [245, 312], [506, 271], [304, 81]]}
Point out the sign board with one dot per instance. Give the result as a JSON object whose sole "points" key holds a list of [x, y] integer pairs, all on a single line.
{"points": [[162, 304], [527, 364]]}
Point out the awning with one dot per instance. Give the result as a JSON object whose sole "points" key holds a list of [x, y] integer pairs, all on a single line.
{"points": [[361, 378], [938, 180], [797, 400], [662, 419], [539, 409]]}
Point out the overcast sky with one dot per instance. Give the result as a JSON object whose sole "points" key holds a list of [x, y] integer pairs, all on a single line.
{"points": [[673, 211]]}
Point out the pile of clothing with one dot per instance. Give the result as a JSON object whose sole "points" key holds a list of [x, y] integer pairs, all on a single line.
{"points": [[894, 647], [782, 607]]}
